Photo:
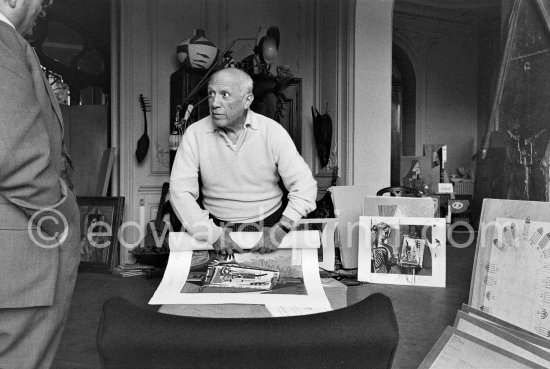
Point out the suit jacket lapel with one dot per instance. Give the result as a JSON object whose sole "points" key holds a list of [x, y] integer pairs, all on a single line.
{"points": [[51, 94], [35, 64]]}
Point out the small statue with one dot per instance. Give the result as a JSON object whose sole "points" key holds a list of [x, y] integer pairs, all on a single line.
{"points": [[462, 172]]}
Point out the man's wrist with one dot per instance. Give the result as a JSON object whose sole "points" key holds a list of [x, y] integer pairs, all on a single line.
{"points": [[285, 224], [220, 231], [283, 227]]}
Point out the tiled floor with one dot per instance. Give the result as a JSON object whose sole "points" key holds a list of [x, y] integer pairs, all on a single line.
{"points": [[422, 312]]}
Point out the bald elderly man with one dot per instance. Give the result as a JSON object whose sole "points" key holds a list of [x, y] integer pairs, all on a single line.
{"points": [[237, 158]]}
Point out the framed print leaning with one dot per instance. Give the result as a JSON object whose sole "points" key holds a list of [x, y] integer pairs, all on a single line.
{"points": [[408, 251], [100, 218]]}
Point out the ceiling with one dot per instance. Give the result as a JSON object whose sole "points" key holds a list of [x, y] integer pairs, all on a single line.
{"points": [[467, 12], [455, 4], [91, 17]]}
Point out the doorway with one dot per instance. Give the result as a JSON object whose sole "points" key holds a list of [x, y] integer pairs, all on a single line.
{"points": [[403, 112]]}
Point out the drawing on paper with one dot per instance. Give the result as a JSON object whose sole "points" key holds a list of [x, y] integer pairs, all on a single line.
{"points": [[229, 276], [273, 273], [402, 249]]}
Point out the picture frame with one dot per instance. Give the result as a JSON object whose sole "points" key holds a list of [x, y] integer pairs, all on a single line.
{"points": [[100, 219], [405, 251]]}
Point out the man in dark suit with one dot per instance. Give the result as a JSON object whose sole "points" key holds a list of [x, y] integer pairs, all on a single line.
{"points": [[39, 218]]}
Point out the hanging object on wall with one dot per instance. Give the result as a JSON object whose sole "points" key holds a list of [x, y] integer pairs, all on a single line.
{"points": [[266, 48], [322, 131], [197, 51], [265, 52], [143, 142], [523, 155], [514, 161], [268, 45]]}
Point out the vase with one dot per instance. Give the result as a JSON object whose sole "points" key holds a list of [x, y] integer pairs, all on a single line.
{"points": [[197, 52]]}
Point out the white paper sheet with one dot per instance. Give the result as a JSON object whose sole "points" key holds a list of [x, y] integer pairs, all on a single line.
{"points": [[456, 349], [500, 338], [277, 311], [327, 240], [337, 295], [182, 241], [177, 270], [513, 329]]}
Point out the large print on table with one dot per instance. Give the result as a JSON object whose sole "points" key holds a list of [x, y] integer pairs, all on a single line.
{"points": [[396, 250], [286, 277]]}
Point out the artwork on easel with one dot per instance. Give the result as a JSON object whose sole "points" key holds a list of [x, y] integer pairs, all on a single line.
{"points": [[408, 251], [511, 274]]}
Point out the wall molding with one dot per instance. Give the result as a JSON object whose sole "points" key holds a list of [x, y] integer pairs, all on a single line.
{"points": [[126, 159], [126, 87], [159, 161], [115, 93], [350, 95], [309, 72], [149, 189]]}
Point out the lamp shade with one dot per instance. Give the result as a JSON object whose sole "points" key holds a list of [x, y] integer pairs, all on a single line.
{"points": [[197, 51], [269, 50], [267, 45]]}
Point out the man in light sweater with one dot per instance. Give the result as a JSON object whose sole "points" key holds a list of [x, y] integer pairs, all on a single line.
{"points": [[238, 157]]}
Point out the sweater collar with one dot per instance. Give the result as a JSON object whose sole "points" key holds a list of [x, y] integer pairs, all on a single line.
{"points": [[250, 122], [6, 20]]}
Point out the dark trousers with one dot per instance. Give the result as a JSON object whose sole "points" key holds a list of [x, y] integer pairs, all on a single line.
{"points": [[269, 221]]}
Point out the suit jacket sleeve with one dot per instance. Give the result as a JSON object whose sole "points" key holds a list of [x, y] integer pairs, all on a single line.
{"points": [[28, 178]]}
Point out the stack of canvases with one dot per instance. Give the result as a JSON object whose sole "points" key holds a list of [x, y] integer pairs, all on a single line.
{"points": [[506, 323]]}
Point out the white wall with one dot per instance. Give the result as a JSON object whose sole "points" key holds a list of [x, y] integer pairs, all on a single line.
{"points": [[372, 93], [334, 75]]}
